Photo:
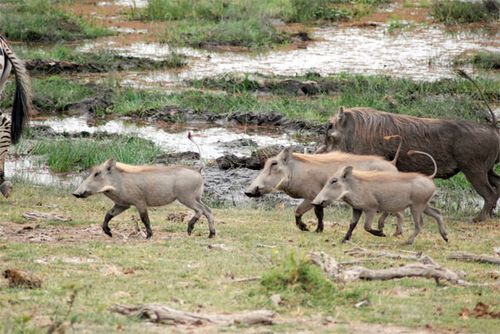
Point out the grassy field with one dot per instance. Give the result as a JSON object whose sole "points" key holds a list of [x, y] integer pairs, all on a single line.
{"points": [[243, 23], [460, 12], [182, 272], [44, 21]]}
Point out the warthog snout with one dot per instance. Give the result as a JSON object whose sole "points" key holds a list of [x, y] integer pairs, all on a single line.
{"points": [[84, 194], [255, 192]]}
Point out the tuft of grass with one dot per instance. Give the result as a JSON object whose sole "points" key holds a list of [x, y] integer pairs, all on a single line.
{"points": [[456, 11], [486, 60], [52, 94], [69, 155], [300, 282], [100, 61], [44, 21]]}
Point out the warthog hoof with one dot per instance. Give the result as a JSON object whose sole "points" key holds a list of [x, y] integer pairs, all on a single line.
{"points": [[107, 230], [408, 242], [445, 238], [211, 235], [149, 234], [302, 227], [319, 229], [377, 233], [397, 234]]}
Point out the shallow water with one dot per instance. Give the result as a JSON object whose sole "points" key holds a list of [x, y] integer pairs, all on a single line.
{"points": [[420, 53], [213, 142]]}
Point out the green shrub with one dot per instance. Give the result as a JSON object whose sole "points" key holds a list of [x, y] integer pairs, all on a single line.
{"points": [[300, 281]]}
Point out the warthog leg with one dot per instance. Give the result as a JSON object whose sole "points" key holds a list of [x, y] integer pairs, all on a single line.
{"points": [[356, 214], [494, 179], [368, 224], [145, 220], [300, 211], [481, 184], [113, 212], [399, 223], [200, 209], [436, 214], [318, 210], [418, 221]]}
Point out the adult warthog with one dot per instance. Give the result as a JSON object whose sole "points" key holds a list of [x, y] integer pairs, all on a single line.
{"points": [[303, 176], [457, 146]]}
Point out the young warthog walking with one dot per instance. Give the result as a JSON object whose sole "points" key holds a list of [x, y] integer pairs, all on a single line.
{"points": [[303, 176], [372, 191], [143, 186]]}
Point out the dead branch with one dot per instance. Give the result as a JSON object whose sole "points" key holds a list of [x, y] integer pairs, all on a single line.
{"points": [[418, 256], [246, 279], [427, 268], [463, 256], [166, 315]]}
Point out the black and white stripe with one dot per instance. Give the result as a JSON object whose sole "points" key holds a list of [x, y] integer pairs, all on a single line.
{"points": [[4, 144]]}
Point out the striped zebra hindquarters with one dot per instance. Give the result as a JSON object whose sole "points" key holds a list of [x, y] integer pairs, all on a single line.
{"points": [[5, 186]]}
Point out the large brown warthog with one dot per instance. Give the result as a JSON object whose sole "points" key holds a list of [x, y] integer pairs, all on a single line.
{"points": [[144, 186], [303, 176], [457, 145]]}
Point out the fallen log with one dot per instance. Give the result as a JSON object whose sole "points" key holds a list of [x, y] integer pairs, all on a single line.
{"points": [[427, 268], [163, 314], [362, 252], [463, 256]]}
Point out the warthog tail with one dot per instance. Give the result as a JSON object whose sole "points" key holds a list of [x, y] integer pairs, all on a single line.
{"points": [[412, 152], [464, 75]]}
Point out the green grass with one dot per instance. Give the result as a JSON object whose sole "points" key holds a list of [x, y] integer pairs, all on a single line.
{"points": [[104, 60], [456, 11], [244, 23], [445, 98], [181, 272], [52, 94], [44, 21], [70, 155], [484, 60]]}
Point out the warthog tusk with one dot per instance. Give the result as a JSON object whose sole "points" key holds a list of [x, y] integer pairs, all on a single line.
{"points": [[345, 192], [106, 188], [279, 184]]}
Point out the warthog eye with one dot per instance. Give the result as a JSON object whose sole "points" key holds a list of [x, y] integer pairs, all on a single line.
{"points": [[97, 174], [274, 163], [334, 180]]}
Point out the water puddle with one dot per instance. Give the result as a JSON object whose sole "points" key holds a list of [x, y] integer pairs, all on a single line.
{"points": [[125, 3], [420, 53], [213, 142]]}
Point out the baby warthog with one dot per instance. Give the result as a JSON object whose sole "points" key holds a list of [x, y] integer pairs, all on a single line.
{"points": [[303, 176], [372, 191], [144, 186]]}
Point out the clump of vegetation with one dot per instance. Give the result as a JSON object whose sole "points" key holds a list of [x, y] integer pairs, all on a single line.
{"points": [[99, 61], [300, 282], [456, 11], [44, 21], [445, 98], [70, 155], [250, 24], [485, 60], [52, 93], [253, 33]]}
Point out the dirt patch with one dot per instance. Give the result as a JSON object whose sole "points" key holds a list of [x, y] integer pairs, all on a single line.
{"points": [[123, 233]]}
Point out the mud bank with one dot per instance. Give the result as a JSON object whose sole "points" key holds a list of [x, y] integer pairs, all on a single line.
{"points": [[115, 63]]}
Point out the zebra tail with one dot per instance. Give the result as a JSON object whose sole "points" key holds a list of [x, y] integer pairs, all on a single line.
{"points": [[22, 107]]}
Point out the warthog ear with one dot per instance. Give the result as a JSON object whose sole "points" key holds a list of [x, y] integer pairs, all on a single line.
{"points": [[346, 172], [341, 116], [287, 154], [109, 164]]}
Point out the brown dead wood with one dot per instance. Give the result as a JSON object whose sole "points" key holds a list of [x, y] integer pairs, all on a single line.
{"points": [[463, 256], [362, 252], [163, 314], [427, 268]]}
